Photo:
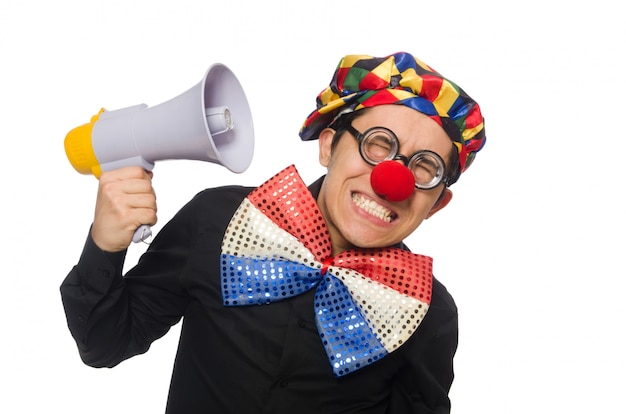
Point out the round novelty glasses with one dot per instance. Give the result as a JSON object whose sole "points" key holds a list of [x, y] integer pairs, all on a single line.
{"points": [[380, 144]]}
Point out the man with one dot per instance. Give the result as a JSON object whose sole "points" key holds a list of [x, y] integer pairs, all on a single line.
{"points": [[294, 297]]}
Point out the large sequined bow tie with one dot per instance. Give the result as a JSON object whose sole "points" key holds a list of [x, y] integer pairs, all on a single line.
{"points": [[368, 302]]}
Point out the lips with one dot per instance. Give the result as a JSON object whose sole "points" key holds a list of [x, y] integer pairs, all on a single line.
{"points": [[373, 208]]}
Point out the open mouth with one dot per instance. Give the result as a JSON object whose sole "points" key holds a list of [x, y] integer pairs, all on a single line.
{"points": [[373, 208]]}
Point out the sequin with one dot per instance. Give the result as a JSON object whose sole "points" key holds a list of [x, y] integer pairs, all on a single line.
{"points": [[367, 302]]}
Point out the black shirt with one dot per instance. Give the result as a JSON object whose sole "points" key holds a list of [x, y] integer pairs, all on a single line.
{"points": [[249, 359]]}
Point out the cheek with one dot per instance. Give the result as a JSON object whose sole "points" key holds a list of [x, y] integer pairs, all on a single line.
{"points": [[421, 207], [347, 163]]}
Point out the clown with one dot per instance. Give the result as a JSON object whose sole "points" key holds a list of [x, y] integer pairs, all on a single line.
{"points": [[294, 296]]}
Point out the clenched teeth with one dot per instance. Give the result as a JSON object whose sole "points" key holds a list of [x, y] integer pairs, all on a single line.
{"points": [[373, 208]]}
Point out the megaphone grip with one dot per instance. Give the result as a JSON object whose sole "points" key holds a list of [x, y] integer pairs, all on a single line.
{"points": [[142, 233]]}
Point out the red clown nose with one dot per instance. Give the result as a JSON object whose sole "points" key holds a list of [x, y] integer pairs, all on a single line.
{"points": [[392, 180]]}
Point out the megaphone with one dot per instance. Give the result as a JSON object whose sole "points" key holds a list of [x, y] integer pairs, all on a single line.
{"points": [[209, 122]]}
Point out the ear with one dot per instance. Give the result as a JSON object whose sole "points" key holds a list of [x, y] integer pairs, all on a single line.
{"points": [[325, 143], [443, 201]]}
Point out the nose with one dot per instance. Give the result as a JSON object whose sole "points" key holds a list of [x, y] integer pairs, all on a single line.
{"points": [[392, 180]]}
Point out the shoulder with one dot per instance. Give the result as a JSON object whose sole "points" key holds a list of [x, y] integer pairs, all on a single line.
{"points": [[442, 312], [235, 192], [226, 198], [209, 209], [442, 299]]}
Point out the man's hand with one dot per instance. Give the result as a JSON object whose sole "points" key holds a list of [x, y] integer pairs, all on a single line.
{"points": [[125, 201]]}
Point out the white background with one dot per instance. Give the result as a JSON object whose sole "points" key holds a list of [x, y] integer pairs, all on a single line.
{"points": [[531, 246]]}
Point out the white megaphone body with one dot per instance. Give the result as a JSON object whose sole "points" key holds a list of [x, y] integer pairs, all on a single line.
{"points": [[209, 122]]}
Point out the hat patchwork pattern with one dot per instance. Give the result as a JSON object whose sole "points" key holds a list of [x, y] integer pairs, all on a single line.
{"points": [[363, 81]]}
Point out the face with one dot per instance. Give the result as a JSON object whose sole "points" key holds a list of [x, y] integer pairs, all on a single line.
{"points": [[355, 214]]}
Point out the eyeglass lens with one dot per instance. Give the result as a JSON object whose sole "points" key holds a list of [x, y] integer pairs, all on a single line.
{"points": [[380, 144]]}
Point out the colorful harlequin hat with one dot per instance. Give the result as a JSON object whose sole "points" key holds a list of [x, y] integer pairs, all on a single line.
{"points": [[362, 81]]}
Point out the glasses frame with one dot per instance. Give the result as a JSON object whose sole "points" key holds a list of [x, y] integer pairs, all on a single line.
{"points": [[394, 155]]}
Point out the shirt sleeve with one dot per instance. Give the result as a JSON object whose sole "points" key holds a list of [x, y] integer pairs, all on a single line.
{"points": [[423, 384], [114, 317]]}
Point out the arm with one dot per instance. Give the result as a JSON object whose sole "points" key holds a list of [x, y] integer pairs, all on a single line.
{"points": [[112, 317]]}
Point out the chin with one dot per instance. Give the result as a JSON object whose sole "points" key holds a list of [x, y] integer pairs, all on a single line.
{"points": [[371, 243]]}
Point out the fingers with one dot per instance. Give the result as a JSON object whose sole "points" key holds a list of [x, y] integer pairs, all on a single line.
{"points": [[125, 201]]}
